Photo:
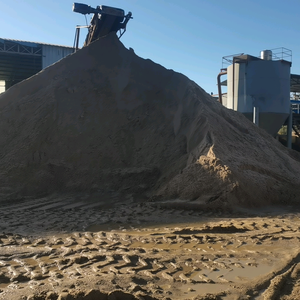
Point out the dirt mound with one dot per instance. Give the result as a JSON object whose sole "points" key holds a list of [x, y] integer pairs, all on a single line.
{"points": [[105, 119]]}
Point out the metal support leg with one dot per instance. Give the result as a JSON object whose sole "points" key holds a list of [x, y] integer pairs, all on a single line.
{"points": [[289, 129], [256, 115], [76, 40]]}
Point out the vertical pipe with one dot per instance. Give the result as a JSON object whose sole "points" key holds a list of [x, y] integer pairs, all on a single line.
{"points": [[256, 115], [219, 84], [289, 129]]}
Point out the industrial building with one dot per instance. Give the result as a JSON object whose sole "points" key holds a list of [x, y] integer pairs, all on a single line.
{"points": [[21, 59], [261, 87]]}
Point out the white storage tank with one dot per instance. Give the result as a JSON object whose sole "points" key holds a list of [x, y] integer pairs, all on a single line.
{"points": [[262, 85], [266, 54]]}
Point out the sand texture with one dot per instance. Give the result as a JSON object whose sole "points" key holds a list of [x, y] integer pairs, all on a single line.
{"points": [[105, 119]]}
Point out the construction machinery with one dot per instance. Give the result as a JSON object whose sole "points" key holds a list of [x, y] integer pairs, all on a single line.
{"points": [[106, 19]]}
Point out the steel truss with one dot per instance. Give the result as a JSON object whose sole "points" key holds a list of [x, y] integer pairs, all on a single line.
{"points": [[9, 46]]}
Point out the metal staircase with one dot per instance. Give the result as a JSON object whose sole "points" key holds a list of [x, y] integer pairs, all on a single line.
{"points": [[296, 116], [296, 124]]}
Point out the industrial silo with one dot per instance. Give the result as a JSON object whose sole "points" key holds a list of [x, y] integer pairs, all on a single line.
{"points": [[260, 88]]}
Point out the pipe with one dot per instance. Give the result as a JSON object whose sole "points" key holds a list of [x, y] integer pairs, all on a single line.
{"points": [[219, 84], [256, 115]]}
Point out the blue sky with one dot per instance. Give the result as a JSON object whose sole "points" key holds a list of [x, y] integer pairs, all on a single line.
{"points": [[190, 36]]}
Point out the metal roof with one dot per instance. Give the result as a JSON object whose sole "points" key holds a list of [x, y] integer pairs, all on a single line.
{"points": [[31, 44]]}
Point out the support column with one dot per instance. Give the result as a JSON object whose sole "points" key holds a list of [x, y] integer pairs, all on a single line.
{"points": [[77, 38], [289, 129]]}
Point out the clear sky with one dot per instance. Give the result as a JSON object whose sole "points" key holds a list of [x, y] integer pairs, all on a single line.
{"points": [[190, 36]]}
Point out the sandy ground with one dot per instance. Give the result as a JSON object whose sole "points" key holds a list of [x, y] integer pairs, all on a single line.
{"points": [[108, 123], [78, 248]]}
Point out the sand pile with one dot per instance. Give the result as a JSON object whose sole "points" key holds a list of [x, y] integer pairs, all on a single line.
{"points": [[105, 119]]}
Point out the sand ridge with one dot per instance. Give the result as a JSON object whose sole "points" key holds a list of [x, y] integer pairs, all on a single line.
{"points": [[106, 119]]}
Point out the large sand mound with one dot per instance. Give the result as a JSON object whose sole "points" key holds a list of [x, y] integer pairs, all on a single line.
{"points": [[106, 119]]}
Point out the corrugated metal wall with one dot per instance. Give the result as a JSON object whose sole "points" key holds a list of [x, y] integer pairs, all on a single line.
{"points": [[52, 54], [20, 60]]}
